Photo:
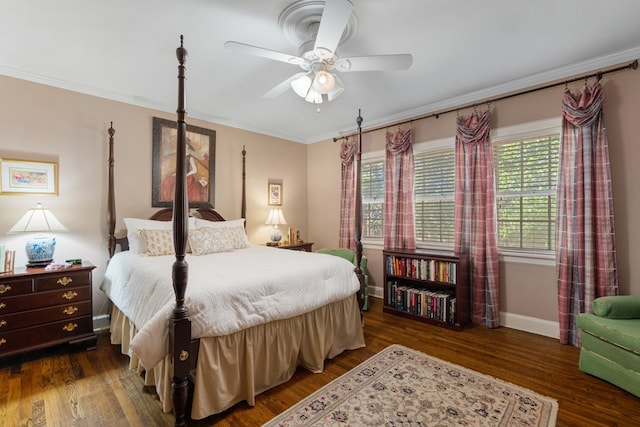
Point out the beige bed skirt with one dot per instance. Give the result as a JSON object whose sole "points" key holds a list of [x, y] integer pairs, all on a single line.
{"points": [[237, 367]]}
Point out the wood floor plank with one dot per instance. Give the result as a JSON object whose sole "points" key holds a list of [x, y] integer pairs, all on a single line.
{"points": [[70, 387]]}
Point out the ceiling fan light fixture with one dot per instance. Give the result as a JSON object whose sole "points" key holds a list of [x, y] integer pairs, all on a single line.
{"points": [[313, 97], [324, 82], [302, 85]]}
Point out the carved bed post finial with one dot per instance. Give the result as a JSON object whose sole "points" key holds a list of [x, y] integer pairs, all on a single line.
{"points": [[180, 325], [111, 202], [358, 214]]}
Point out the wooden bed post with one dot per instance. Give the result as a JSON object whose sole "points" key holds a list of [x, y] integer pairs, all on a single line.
{"points": [[111, 199], [180, 325], [243, 207], [358, 214]]}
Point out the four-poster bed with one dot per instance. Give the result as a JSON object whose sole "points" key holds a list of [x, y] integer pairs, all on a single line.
{"points": [[307, 308]]}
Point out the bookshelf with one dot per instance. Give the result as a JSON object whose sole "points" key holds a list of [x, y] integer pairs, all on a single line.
{"points": [[432, 287]]}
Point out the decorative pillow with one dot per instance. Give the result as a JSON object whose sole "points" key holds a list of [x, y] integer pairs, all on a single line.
{"points": [[238, 237], [157, 242], [207, 240], [136, 243], [617, 307]]}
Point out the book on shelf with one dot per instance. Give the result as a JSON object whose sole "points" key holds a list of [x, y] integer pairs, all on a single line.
{"points": [[423, 269], [439, 305]]}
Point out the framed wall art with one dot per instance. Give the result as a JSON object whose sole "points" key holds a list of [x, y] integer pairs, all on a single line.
{"points": [[274, 191], [201, 149], [28, 177]]}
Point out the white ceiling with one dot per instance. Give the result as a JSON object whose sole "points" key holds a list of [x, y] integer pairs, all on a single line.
{"points": [[463, 51]]}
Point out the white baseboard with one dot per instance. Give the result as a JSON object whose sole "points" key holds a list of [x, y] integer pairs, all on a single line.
{"points": [[376, 292], [101, 323], [534, 325]]}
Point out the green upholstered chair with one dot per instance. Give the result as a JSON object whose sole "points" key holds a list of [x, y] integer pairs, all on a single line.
{"points": [[350, 256], [611, 341]]}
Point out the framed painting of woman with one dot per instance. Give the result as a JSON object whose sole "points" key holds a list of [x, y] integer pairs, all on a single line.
{"points": [[201, 145]]}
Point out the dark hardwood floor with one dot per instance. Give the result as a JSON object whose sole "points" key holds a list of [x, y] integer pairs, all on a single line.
{"points": [[69, 387]]}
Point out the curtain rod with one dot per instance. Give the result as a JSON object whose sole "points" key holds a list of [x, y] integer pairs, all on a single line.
{"points": [[631, 66]]}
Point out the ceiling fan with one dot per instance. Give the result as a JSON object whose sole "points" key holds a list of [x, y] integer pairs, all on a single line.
{"points": [[319, 27]]}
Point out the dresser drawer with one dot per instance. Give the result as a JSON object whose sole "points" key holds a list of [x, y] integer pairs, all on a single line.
{"points": [[9, 287], [45, 335], [63, 281], [44, 299], [25, 319]]}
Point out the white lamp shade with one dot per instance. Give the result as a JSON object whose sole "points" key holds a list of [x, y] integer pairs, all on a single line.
{"points": [[37, 219], [301, 85], [323, 82], [275, 217], [313, 97], [337, 89]]}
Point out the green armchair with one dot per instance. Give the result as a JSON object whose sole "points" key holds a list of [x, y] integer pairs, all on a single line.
{"points": [[611, 341], [350, 256]]}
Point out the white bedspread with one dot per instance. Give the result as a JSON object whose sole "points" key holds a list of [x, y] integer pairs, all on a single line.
{"points": [[226, 292]]}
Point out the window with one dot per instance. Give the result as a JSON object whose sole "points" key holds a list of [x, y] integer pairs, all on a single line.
{"points": [[434, 196], [372, 198], [526, 162], [526, 172]]}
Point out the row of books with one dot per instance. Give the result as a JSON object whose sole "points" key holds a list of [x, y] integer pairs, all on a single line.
{"points": [[7, 259], [438, 305], [422, 269], [293, 236]]}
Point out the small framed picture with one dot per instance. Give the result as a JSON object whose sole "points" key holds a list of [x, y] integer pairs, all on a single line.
{"points": [[275, 194], [26, 177]]}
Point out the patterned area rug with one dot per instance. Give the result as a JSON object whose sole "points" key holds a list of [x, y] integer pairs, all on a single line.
{"points": [[404, 387]]}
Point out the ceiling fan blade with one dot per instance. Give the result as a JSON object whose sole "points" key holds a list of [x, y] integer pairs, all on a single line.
{"points": [[282, 87], [334, 19], [265, 53], [374, 63]]}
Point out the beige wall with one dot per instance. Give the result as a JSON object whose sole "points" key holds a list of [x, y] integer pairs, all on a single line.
{"points": [[527, 290], [48, 124]]}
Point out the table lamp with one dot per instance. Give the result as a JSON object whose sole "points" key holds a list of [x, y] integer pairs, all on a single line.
{"points": [[39, 248], [275, 218]]}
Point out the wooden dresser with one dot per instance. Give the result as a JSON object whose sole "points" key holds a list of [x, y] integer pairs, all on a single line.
{"points": [[40, 308]]}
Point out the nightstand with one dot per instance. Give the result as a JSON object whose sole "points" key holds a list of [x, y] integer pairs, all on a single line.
{"points": [[40, 308], [307, 246]]}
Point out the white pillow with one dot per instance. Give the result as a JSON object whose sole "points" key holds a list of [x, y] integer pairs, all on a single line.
{"points": [[209, 240], [136, 243], [199, 222]]}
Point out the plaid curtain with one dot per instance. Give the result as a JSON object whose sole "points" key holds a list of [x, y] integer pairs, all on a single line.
{"points": [[475, 215], [586, 263], [347, 195], [399, 211]]}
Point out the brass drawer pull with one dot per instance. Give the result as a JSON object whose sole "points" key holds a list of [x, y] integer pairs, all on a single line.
{"points": [[2, 323], [69, 295], [69, 327], [2, 305], [2, 341], [70, 310], [4, 288], [64, 281]]}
